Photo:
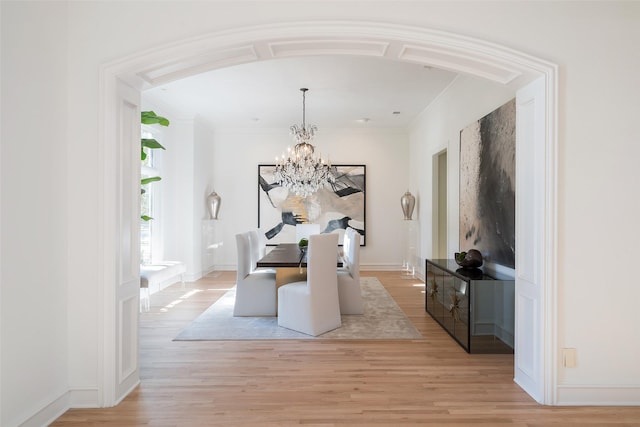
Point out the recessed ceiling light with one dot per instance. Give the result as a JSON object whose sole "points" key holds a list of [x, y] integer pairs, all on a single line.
{"points": [[364, 120], [396, 113]]}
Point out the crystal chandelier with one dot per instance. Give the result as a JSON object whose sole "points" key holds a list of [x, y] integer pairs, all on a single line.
{"points": [[301, 171]]}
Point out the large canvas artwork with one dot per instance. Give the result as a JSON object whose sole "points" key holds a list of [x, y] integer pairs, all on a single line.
{"points": [[487, 186], [335, 207]]}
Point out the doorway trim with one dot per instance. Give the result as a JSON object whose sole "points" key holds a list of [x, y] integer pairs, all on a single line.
{"points": [[428, 47], [437, 191]]}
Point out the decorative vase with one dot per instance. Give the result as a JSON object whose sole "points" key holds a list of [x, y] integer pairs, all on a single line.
{"points": [[470, 259], [213, 203], [408, 202]]}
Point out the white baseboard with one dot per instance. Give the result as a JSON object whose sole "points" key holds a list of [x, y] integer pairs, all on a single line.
{"points": [[74, 398], [598, 395], [125, 394], [191, 277], [87, 397], [380, 267], [363, 267], [46, 415], [369, 267]]}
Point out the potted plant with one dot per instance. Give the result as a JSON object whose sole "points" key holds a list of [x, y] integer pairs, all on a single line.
{"points": [[150, 118], [303, 244]]}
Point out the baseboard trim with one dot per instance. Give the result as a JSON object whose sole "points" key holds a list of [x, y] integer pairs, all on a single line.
{"points": [[191, 277], [74, 398], [363, 267], [380, 267], [125, 394], [87, 397], [598, 395], [48, 414]]}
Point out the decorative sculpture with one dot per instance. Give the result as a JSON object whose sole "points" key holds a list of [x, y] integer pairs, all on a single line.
{"points": [[213, 203], [470, 259], [408, 202]]}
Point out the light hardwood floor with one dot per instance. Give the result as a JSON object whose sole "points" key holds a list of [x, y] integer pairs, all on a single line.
{"points": [[428, 382]]}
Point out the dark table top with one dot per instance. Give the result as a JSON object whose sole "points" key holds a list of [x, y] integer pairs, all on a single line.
{"points": [[287, 255]]}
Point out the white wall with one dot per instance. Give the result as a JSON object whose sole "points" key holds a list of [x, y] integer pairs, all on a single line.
{"points": [[185, 177], [34, 324], [582, 312], [58, 82], [237, 154], [438, 128], [204, 258], [177, 202], [199, 160]]}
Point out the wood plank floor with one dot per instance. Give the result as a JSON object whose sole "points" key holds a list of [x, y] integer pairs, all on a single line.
{"points": [[427, 382]]}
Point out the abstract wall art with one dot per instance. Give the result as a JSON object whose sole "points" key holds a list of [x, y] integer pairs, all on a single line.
{"points": [[335, 207], [487, 185]]}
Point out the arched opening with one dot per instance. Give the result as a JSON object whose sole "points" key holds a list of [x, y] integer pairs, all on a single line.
{"points": [[123, 81]]}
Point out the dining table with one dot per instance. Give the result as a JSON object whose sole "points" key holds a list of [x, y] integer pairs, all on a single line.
{"points": [[290, 262]]}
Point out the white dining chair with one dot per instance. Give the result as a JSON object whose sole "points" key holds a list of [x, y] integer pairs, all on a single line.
{"points": [[346, 242], [255, 292], [312, 306], [306, 230], [349, 291], [258, 249]]}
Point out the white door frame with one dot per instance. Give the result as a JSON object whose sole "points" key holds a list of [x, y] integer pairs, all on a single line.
{"points": [[373, 39], [436, 207]]}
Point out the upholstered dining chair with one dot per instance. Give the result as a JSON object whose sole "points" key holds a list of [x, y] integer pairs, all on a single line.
{"points": [[346, 242], [258, 249], [306, 230], [312, 306], [349, 291], [255, 292]]}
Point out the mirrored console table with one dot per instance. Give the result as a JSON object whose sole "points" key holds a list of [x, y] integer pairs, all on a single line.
{"points": [[475, 308]]}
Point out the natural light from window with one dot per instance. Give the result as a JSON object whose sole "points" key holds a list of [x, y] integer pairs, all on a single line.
{"points": [[148, 169]]}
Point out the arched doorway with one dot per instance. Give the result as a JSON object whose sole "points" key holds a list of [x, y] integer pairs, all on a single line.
{"points": [[123, 81]]}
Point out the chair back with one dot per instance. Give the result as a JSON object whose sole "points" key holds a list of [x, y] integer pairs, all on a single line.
{"points": [[244, 255], [354, 254], [306, 230], [254, 248], [346, 243], [321, 269], [262, 243]]}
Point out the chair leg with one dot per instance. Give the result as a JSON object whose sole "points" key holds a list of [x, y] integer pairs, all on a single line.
{"points": [[145, 300]]}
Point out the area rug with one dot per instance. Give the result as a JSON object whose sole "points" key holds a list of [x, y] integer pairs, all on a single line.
{"points": [[382, 319]]}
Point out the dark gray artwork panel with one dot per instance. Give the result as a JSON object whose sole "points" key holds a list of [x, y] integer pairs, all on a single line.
{"points": [[335, 207], [487, 186]]}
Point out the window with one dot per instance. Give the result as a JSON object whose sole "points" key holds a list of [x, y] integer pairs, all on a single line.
{"points": [[149, 198]]}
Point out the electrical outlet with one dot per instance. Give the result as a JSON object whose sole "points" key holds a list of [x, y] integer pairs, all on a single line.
{"points": [[569, 357]]}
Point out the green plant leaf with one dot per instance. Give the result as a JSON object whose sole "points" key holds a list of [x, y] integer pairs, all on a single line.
{"points": [[145, 218], [143, 155], [150, 143], [144, 181], [151, 118]]}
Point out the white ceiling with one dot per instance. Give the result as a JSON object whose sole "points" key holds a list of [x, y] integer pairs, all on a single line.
{"points": [[342, 92]]}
